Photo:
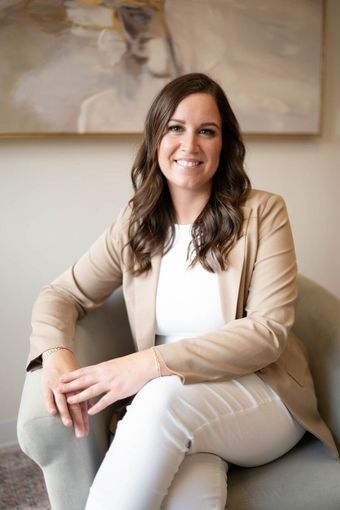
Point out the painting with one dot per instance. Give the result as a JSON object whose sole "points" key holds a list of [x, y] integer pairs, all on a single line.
{"points": [[94, 66]]}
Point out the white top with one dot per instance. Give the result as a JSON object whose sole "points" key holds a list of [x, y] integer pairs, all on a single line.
{"points": [[187, 301]]}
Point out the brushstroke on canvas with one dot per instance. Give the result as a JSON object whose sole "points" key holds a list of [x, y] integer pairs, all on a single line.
{"points": [[93, 66]]}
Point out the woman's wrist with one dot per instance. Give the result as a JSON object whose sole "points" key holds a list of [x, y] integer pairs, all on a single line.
{"points": [[156, 362], [46, 354], [160, 366]]}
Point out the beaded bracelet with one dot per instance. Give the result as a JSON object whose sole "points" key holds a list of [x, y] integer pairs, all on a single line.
{"points": [[48, 353]]}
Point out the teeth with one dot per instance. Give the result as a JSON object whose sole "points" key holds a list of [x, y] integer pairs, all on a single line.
{"points": [[185, 163]]}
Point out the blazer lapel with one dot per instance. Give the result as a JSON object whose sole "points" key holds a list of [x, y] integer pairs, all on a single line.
{"points": [[230, 280], [145, 287]]}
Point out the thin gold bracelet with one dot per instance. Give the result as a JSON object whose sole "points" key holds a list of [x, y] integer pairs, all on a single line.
{"points": [[48, 352], [156, 362]]}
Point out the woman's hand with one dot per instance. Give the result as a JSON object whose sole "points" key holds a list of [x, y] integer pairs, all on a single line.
{"points": [[114, 379], [74, 415]]}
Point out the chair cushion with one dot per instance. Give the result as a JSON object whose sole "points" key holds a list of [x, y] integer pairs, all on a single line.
{"points": [[307, 477]]}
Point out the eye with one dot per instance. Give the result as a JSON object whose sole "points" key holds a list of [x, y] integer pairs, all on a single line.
{"points": [[175, 128], [207, 132]]}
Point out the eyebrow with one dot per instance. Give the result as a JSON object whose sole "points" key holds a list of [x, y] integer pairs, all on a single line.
{"points": [[201, 125]]}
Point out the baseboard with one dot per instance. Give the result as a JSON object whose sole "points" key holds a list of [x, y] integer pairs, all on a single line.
{"points": [[8, 433]]}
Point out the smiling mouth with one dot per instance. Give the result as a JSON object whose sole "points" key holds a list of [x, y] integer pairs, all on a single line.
{"points": [[187, 163]]}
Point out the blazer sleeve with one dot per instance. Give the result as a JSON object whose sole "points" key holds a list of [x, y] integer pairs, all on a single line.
{"points": [[83, 287], [248, 344]]}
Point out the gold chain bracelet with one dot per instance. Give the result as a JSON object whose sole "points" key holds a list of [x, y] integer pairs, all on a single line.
{"points": [[48, 353], [154, 352]]}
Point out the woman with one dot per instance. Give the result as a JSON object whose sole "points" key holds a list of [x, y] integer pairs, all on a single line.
{"points": [[208, 272]]}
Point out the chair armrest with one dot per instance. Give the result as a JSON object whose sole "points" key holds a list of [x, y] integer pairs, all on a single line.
{"points": [[69, 464], [317, 324]]}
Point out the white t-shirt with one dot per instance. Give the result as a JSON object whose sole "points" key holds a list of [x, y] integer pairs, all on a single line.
{"points": [[188, 300]]}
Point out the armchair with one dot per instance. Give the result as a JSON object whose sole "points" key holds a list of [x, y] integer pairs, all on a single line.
{"points": [[306, 477]]}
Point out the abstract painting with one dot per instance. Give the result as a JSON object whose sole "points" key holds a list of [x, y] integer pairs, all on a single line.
{"points": [[94, 66]]}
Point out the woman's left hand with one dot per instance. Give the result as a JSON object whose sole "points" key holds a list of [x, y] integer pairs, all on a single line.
{"points": [[114, 379]]}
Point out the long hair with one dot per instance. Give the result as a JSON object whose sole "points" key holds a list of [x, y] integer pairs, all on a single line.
{"points": [[151, 225]]}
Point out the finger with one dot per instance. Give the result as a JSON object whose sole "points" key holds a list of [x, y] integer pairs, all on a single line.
{"points": [[84, 407], [63, 409], [78, 420], [70, 376], [49, 402], [75, 374], [77, 385], [105, 401], [91, 392]]}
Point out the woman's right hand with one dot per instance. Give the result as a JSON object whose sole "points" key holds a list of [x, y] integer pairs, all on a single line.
{"points": [[54, 366]]}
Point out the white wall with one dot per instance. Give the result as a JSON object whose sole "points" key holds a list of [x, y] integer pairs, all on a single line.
{"points": [[57, 195], [307, 173]]}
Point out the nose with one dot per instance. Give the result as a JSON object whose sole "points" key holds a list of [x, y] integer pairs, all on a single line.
{"points": [[189, 142]]}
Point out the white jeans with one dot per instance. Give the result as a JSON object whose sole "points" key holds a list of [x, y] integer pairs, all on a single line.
{"points": [[171, 449]]}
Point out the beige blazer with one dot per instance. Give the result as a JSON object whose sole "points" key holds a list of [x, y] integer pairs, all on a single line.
{"points": [[257, 294]]}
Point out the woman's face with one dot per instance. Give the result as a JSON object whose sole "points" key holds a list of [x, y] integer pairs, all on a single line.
{"points": [[189, 152]]}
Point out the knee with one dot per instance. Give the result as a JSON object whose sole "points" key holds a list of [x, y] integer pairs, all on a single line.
{"points": [[160, 391], [154, 417], [157, 398]]}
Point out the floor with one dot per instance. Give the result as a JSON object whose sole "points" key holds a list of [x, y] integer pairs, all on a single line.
{"points": [[21, 482]]}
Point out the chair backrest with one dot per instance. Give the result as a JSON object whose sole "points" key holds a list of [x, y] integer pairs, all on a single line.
{"points": [[317, 324]]}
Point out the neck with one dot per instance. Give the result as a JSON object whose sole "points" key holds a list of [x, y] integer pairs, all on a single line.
{"points": [[188, 205]]}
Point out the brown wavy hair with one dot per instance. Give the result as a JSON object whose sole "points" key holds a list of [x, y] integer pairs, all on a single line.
{"points": [[219, 224]]}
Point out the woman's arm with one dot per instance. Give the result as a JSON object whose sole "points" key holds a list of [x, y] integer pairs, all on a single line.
{"points": [[83, 287], [112, 380]]}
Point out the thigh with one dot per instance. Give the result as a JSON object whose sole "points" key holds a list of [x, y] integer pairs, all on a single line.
{"points": [[200, 484], [241, 420]]}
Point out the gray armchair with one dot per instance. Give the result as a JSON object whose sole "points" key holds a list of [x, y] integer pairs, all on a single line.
{"points": [[305, 478]]}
